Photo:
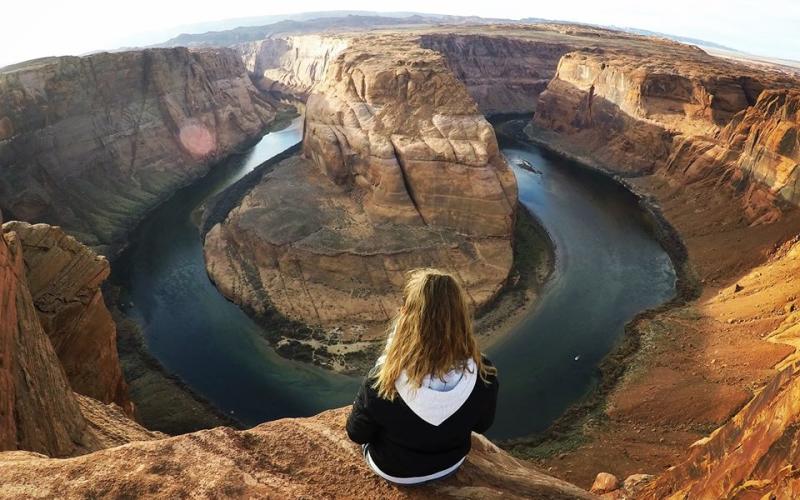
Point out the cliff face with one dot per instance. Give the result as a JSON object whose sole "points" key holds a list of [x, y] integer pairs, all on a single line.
{"points": [[398, 125], [712, 143], [503, 74], [766, 140], [91, 143], [290, 65], [289, 458], [400, 171], [64, 279], [754, 454], [38, 410], [697, 118]]}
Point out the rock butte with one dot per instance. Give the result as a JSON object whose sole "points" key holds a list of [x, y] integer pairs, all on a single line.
{"points": [[399, 170], [712, 142]]}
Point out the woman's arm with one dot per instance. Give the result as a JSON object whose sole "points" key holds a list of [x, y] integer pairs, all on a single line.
{"points": [[486, 418], [361, 427]]}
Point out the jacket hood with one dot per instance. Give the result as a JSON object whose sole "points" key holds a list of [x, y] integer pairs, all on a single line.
{"points": [[435, 406]]}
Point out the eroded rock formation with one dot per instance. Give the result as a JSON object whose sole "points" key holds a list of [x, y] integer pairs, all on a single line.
{"points": [[64, 279], [38, 410], [752, 455], [400, 170], [698, 118], [713, 145], [289, 458], [291, 65], [91, 143], [504, 74]]}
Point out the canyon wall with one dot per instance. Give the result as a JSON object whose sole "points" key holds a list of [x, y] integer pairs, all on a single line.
{"points": [[64, 279], [400, 170], [92, 143], [38, 409], [290, 65], [754, 454], [633, 104], [697, 118], [712, 145], [504, 74]]}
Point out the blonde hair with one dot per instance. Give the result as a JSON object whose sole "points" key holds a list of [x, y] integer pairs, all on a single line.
{"points": [[431, 335]]}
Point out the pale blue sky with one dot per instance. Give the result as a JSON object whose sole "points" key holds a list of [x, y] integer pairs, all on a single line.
{"points": [[48, 27]]}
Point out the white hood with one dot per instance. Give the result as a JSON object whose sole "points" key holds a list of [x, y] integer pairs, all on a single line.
{"points": [[436, 405]]}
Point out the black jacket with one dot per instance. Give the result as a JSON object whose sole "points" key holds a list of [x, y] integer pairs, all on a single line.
{"points": [[402, 444]]}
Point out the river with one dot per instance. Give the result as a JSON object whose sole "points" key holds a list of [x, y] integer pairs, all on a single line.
{"points": [[608, 268]]}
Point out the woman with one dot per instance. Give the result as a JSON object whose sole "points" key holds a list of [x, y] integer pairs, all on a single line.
{"points": [[429, 390]]}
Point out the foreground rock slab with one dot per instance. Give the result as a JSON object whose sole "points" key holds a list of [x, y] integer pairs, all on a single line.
{"points": [[290, 458]]}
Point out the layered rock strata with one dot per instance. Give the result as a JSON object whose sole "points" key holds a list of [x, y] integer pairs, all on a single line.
{"points": [[91, 143], [713, 145], [38, 409], [290, 458], [504, 74], [64, 279], [700, 119], [290, 65], [400, 170]]}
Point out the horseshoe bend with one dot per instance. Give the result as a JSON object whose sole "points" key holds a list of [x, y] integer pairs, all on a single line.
{"points": [[619, 208]]}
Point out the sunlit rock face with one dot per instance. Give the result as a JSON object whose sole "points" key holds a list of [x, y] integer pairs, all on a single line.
{"points": [[766, 137], [46, 298], [64, 279], [91, 143], [291, 65], [754, 455], [393, 121], [400, 170], [504, 74], [681, 113]]}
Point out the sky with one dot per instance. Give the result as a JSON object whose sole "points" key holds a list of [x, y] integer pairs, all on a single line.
{"points": [[30, 29]]}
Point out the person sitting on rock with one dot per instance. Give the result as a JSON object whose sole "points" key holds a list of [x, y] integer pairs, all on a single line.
{"points": [[429, 390]]}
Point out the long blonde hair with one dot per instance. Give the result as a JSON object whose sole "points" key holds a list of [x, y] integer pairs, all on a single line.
{"points": [[431, 335]]}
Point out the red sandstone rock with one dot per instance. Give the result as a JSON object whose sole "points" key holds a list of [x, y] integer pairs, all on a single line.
{"points": [[605, 483], [38, 410], [289, 458], [698, 118], [64, 279]]}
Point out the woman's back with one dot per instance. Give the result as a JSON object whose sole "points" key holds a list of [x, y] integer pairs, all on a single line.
{"points": [[416, 410]]}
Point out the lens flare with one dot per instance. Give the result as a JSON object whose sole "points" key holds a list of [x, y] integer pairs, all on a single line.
{"points": [[197, 139]]}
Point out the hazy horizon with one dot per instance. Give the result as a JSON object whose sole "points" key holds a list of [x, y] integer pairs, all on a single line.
{"points": [[87, 26]]}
